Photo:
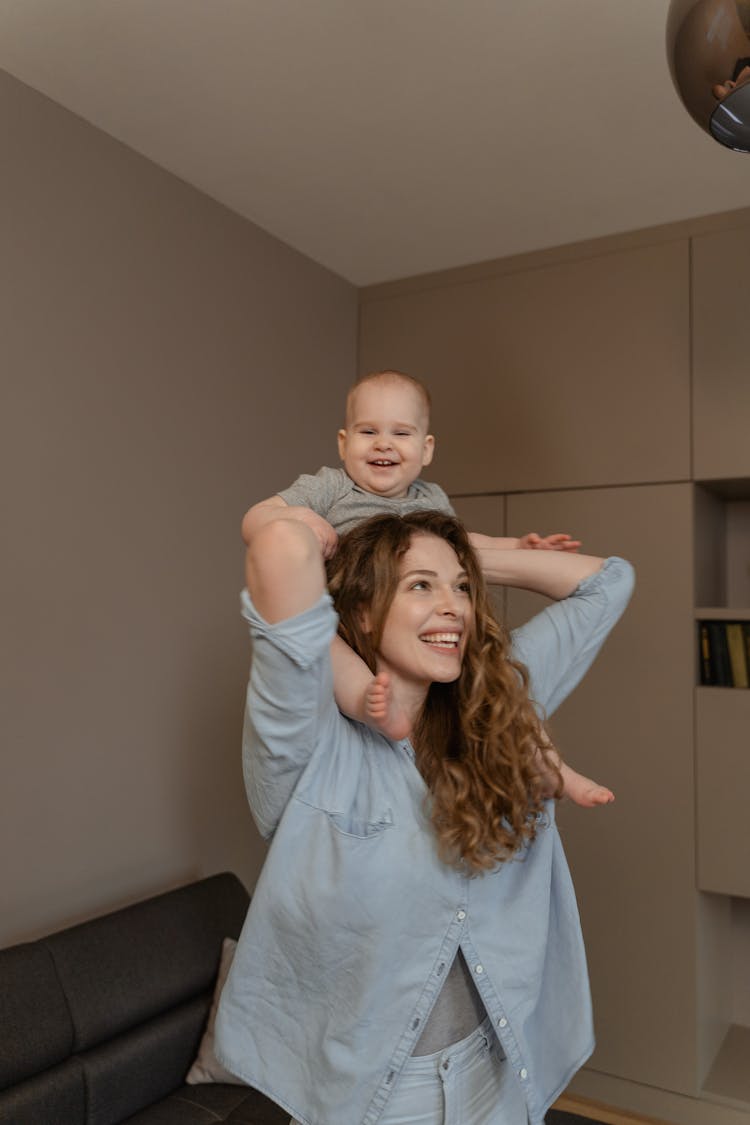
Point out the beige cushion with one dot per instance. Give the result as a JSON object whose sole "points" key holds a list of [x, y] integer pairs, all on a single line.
{"points": [[207, 1067]]}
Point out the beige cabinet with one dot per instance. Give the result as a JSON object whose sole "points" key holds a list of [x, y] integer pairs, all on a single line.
{"points": [[721, 355], [605, 391], [722, 714], [722, 756], [629, 724], [722, 739], [571, 374]]}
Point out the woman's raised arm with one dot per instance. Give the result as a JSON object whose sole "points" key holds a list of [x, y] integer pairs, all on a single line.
{"points": [[284, 570], [290, 704]]}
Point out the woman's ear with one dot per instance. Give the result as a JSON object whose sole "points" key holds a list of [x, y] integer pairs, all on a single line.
{"points": [[364, 620]]}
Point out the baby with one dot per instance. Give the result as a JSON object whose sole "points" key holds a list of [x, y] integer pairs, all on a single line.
{"points": [[384, 445]]}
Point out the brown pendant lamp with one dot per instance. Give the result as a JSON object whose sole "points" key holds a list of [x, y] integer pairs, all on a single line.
{"points": [[708, 47]]}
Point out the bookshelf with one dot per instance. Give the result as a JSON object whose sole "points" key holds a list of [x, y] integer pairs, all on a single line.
{"points": [[722, 582], [723, 648], [722, 717], [722, 765]]}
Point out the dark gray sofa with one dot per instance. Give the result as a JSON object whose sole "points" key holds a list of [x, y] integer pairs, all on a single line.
{"points": [[99, 1023]]}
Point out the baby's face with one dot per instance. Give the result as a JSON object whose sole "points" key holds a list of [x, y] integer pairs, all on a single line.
{"points": [[385, 444]]}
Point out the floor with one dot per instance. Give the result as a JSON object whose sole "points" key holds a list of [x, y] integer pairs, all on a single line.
{"points": [[558, 1117]]}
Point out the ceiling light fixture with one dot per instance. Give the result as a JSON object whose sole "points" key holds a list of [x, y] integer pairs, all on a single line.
{"points": [[708, 47]]}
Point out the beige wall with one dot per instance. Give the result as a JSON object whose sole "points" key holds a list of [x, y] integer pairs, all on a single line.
{"points": [[164, 364]]}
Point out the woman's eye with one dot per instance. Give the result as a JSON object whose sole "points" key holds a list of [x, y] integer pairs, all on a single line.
{"points": [[419, 585], [463, 588]]}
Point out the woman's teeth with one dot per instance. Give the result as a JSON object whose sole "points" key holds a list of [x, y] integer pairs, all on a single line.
{"points": [[441, 639]]}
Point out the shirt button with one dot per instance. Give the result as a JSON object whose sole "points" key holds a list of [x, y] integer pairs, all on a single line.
{"points": [[502, 1022], [524, 1073], [460, 914], [479, 968]]}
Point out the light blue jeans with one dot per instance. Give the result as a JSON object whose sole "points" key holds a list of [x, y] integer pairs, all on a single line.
{"points": [[468, 1083]]}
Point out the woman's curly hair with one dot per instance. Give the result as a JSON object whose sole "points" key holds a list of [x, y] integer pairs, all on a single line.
{"points": [[479, 743]]}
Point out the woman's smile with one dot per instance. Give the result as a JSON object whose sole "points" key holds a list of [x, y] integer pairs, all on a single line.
{"points": [[447, 641]]}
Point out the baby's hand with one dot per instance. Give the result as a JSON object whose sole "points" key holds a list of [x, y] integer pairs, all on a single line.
{"points": [[324, 533], [381, 710], [558, 542]]}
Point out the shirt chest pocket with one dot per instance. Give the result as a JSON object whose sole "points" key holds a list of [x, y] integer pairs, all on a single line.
{"points": [[358, 828]]}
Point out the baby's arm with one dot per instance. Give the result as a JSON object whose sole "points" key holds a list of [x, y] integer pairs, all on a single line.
{"points": [[365, 697], [275, 507], [560, 541], [493, 551]]}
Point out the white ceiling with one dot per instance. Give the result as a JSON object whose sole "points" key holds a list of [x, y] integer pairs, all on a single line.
{"points": [[385, 138]]}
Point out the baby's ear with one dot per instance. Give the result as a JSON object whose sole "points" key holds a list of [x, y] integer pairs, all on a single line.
{"points": [[428, 449], [342, 444]]}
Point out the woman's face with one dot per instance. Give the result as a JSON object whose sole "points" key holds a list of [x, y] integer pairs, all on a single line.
{"points": [[428, 622]]}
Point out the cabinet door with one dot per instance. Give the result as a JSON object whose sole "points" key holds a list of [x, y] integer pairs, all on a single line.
{"points": [[721, 356], [485, 514], [722, 733], [629, 725], [572, 374]]}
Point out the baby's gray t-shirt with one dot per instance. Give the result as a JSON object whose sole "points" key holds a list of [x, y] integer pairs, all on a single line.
{"points": [[332, 494]]}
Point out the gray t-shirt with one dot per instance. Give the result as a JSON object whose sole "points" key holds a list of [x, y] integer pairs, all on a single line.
{"points": [[333, 495]]}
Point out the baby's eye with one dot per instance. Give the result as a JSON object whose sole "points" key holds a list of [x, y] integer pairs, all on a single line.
{"points": [[402, 433]]}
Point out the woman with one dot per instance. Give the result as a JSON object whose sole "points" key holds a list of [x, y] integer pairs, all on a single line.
{"points": [[412, 952]]}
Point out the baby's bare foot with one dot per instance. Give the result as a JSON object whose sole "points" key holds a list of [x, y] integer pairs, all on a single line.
{"points": [[383, 712], [586, 792]]}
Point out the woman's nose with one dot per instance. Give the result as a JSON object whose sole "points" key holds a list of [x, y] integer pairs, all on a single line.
{"points": [[448, 603]]}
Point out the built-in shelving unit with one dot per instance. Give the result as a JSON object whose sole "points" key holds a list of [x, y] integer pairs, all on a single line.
{"points": [[722, 758]]}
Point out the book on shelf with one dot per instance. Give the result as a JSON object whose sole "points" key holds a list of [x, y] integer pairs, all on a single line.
{"points": [[737, 658], [724, 653]]}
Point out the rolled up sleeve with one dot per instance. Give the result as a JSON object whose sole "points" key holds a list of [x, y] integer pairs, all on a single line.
{"points": [[559, 645], [289, 704]]}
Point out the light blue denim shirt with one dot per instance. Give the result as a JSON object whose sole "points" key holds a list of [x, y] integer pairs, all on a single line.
{"points": [[355, 921]]}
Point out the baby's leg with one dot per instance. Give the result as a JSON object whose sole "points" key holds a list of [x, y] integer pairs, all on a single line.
{"points": [[382, 710], [365, 697], [580, 789], [583, 790]]}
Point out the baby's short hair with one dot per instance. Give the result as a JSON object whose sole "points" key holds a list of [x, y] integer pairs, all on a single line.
{"points": [[390, 375]]}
